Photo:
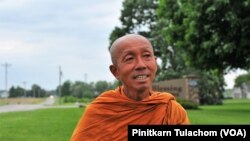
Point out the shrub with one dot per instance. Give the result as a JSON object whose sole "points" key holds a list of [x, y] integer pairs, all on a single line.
{"points": [[188, 104]]}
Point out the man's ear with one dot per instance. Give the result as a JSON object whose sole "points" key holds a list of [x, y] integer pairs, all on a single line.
{"points": [[156, 63], [113, 70]]}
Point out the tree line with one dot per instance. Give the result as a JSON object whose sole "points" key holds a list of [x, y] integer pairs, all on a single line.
{"points": [[81, 89], [35, 91], [77, 89]]}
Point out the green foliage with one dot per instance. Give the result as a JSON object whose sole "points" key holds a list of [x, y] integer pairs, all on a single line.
{"points": [[69, 99], [16, 92], [76, 91], [244, 78], [175, 27], [36, 91], [65, 89], [188, 104], [217, 30], [101, 86], [81, 89], [72, 99], [210, 87]]}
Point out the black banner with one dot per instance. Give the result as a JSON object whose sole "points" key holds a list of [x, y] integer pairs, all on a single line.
{"points": [[193, 132]]}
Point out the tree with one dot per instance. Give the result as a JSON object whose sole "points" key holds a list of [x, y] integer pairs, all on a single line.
{"points": [[12, 92], [38, 91], [16, 92], [212, 37], [208, 31], [217, 34], [65, 89], [175, 23], [101, 86], [82, 90], [244, 78]]}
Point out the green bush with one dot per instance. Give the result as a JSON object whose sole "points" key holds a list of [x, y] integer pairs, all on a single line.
{"points": [[69, 99], [188, 104], [72, 99]]}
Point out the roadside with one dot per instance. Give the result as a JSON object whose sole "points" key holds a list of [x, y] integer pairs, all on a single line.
{"points": [[48, 103]]}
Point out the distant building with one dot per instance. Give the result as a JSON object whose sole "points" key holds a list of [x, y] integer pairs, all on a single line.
{"points": [[242, 92], [228, 93], [4, 94]]}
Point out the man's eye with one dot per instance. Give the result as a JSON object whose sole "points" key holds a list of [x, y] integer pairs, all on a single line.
{"points": [[128, 58], [147, 55]]}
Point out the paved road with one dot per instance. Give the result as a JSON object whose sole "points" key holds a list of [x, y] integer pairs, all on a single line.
{"points": [[24, 107]]}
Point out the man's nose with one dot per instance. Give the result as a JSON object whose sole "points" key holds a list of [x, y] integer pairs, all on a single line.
{"points": [[140, 64]]}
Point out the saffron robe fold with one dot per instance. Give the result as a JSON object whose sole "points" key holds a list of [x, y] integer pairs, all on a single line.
{"points": [[108, 116]]}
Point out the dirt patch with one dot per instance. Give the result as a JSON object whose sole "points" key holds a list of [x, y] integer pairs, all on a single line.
{"points": [[4, 101]]}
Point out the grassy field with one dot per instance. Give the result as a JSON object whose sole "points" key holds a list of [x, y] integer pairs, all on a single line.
{"points": [[53, 124], [235, 111], [57, 124]]}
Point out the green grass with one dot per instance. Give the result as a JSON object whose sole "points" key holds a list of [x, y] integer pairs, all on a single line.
{"points": [[54, 124], [57, 124], [233, 111]]}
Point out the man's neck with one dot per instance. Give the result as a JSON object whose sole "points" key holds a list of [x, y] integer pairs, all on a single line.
{"points": [[137, 95]]}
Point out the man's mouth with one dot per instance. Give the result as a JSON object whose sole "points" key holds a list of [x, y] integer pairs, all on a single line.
{"points": [[141, 77]]}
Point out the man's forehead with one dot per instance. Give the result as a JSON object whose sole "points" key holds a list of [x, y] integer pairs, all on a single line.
{"points": [[141, 48], [130, 40], [132, 37]]}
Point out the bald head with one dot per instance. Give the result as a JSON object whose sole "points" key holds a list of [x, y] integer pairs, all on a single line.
{"points": [[126, 40]]}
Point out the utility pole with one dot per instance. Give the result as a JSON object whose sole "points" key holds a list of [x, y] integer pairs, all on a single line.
{"points": [[24, 89], [59, 88], [85, 77], [6, 65]]}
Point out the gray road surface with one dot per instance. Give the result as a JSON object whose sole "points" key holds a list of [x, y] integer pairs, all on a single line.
{"points": [[24, 107]]}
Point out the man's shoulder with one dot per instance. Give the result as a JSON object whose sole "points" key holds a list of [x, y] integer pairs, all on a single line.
{"points": [[108, 97], [164, 97]]}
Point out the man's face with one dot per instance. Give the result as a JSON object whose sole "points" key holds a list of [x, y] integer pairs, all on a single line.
{"points": [[135, 64]]}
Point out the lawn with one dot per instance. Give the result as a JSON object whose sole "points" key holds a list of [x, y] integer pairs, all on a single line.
{"points": [[53, 124], [57, 124], [235, 111]]}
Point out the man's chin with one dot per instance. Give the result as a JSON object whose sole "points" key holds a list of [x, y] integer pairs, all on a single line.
{"points": [[142, 88]]}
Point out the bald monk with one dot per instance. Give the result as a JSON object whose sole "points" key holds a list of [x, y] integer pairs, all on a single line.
{"points": [[134, 102]]}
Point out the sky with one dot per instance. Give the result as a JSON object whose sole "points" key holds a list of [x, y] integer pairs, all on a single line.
{"points": [[37, 37]]}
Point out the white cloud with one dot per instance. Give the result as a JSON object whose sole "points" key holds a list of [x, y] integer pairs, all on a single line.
{"points": [[16, 48], [12, 4], [231, 76]]}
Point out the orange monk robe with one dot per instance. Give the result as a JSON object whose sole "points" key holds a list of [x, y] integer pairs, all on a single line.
{"points": [[106, 119]]}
